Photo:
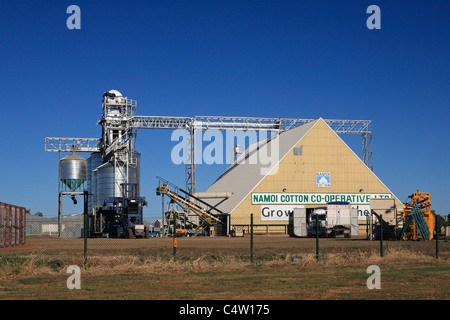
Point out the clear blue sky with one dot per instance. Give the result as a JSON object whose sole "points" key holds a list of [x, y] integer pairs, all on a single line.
{"points": [[294, 59]]}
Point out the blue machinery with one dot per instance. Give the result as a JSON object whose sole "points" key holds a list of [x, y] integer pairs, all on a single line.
{"points": [[122, 217]]}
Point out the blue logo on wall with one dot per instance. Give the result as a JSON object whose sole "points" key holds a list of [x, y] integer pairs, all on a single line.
{"points": [[323, 180]]}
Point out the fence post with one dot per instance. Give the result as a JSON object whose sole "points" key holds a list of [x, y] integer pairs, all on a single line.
{"points": [[174, 236], [381, 235], [317, 237], [85, 226], [251, 237], [436, 224]]}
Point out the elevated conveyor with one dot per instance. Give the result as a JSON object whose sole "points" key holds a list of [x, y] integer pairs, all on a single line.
{"points": [[189, 203]]}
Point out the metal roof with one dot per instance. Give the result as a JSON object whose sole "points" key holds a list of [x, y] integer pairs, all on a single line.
{"points": [[248, 170]]}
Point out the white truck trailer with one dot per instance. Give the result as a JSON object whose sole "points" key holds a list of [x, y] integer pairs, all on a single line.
{"points": [[342, 219], [337, 218]]}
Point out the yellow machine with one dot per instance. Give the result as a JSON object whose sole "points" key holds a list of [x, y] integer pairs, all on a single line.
{"points": [[422, 226]]}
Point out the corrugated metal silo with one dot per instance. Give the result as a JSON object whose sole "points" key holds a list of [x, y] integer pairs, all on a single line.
{"points": [[94, 161], [72, 171], [110, 177]]}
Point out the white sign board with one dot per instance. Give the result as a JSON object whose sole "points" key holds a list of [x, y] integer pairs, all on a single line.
{"points": [[363, 211], [277, 212], [315, 198], [278, 201]]}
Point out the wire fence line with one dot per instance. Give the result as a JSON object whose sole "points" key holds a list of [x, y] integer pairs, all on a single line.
{"points": [[247, 242]]}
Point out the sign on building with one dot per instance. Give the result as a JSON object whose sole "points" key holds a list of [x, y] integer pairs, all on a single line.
{"points": [[276, 206], [323, 180]]}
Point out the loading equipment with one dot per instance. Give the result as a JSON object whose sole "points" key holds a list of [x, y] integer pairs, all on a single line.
{"points": [[418, 220], [122, 217], [190, 203]]}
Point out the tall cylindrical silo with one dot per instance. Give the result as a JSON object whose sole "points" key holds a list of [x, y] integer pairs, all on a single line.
{"points": [[109, 178], [94, 161]]}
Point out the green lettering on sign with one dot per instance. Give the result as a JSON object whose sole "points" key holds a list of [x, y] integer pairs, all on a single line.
{"points": [[314, 198]]}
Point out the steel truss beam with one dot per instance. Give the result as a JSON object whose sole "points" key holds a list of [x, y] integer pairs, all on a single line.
{"points": [[69, 144], [191, 124], [244, 123]]}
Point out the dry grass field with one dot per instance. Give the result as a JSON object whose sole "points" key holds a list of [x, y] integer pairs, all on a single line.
{"points": [[220, 269]]}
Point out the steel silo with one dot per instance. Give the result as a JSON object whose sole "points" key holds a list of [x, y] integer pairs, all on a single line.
{"points": [[94, 161], [72, 171], [110, 176]]}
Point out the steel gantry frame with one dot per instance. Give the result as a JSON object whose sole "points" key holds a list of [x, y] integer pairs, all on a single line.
{"points": [[53, 144], [192, 124], [222, 123]]}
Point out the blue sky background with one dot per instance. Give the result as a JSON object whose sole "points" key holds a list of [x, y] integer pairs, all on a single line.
{"points": [[294, 59]]}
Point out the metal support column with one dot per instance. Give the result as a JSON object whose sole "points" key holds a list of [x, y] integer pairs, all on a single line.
{"points": [[190, 161], [367, 149]]}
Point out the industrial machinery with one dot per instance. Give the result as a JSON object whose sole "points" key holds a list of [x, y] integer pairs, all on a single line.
{"points": [[122, 217], [320, 213], [201, 218], [336, 219], [297, 223], [342, 220], [418, 220], [386, 209], [184, 226]]}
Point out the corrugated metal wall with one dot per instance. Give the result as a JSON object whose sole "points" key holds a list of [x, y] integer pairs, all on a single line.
{"points": [[12, 225]]}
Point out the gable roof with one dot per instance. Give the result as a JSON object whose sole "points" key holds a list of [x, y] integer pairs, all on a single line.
{"points": [[249, 170]]}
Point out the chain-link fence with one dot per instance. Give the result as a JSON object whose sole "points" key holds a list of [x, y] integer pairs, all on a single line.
{"points": [[239, 240]]}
